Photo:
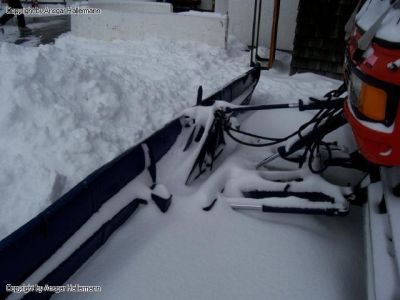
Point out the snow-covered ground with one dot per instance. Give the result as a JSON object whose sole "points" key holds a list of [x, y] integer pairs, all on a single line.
{"points": [[70, 107], [222, 254]]}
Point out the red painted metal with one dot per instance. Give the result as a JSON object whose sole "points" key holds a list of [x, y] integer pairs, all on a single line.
{"points": [[377, 146]]}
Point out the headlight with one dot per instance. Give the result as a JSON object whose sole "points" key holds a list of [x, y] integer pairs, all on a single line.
{"points": [[370, 101]]}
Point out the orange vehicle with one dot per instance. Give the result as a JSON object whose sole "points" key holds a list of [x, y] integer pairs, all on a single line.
{"points": [[373, 80]]}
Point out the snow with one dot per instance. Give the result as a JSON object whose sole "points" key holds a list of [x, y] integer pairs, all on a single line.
{"points": [[203, 117], [161, 191], [372, 10], [202, 14], [224, 254], [134, 190], [391, 179], [70, 107], [242, 181], [382, 276]]}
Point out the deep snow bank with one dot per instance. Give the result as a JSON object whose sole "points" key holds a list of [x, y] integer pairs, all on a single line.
{"points": [[68, 108]]}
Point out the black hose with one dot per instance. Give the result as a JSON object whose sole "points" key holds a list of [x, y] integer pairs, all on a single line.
{"points": [[325, 121]]}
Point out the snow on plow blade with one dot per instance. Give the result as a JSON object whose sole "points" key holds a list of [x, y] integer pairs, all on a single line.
{"points": [[29, 248]]}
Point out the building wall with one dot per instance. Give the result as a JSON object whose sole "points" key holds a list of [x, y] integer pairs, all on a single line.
{"points": [[240, 14], [241, 20], [118, 19], [206, 4], [221, 6]]}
